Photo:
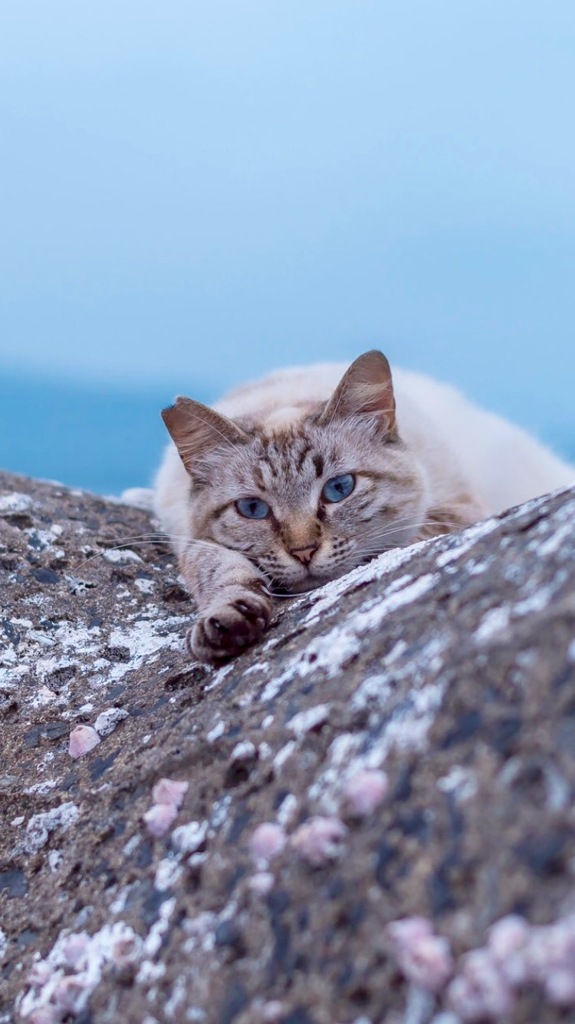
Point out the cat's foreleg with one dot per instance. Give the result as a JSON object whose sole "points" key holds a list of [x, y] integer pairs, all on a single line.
{"points": [[452, 517], [231, 597]]}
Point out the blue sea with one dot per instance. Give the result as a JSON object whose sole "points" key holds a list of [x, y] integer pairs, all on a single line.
{"points": [[106, 439], [98, 438]]}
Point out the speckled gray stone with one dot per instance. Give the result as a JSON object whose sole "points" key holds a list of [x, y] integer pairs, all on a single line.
{"points": [[449, 665]]}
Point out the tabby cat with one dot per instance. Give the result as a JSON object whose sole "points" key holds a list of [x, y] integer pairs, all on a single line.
{"points": [[293, 480]]}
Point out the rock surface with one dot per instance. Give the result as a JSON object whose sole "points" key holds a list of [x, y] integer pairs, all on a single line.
{"points": [[414, 722]]}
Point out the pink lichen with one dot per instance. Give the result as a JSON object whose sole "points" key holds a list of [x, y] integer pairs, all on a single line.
{"points": [[423, 957], [267, 841], [82, 739], [365, 791], [319, 840]]}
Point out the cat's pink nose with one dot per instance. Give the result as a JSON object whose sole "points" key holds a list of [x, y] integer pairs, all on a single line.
{"points": [[304, 555]]}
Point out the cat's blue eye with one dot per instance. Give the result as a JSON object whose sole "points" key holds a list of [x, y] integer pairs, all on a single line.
{"points": [[338, 488], [252, 508]]}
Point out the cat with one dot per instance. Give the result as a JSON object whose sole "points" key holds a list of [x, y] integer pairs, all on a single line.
{"points": [[291, 481]]}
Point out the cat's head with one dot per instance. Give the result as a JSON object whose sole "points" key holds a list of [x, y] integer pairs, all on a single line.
{"points": [[308, 500]]}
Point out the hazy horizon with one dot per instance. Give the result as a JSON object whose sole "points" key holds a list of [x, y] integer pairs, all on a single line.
{"points": [[196, 194], [107, 439]]}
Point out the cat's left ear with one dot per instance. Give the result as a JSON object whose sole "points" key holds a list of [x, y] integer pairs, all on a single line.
{"points": [[366, 388]]}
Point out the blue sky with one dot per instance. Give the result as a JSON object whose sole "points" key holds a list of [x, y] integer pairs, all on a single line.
{"points": [[194, 193]]}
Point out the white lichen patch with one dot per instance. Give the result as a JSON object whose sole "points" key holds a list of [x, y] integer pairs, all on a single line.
{"points": [[408, 721], [460, 781], [188, 838], [216, 731], [120, 556], [15, 504], [145, 586], [61, 985], [556, 540], [168, 872], [335, 649], [40, 826], [154, 938], [42, 788], [459, 544], [55, 858], [220, 812], [44, 695], [389, 561], [284, 754], [145, 639], [287, 809], [107, 720], [305, 721], [243, 751], [45, 539], [10, 678]]}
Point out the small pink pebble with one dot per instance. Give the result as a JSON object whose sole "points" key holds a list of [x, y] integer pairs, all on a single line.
{"points": [[560, 986], [507, 943], [261, 883], [126, 950], [407, 929], [76, 948], [169, 791], [267, 841], [507, 936], [480, 990], [45, 1015], [364, 791], [423, 957], [39, 973], [272, 1011], [318, 840], [159, 818], [69, 992], [82, 739]]}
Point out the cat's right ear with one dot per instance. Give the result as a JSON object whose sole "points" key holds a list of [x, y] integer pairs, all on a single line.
{"points": [[366, 388], [196, 429]]}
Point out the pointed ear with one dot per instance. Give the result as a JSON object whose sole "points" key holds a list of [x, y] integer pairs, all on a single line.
{"points": [[365, 388], [195, 429]]}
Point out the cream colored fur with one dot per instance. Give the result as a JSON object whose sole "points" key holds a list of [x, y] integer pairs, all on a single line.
{"points": [[425, 460]]}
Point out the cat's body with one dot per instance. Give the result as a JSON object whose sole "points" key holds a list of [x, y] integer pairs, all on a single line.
{"points": [[298, 478]]}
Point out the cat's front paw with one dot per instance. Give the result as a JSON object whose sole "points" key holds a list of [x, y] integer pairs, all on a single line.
{"points": [[227, 628]]}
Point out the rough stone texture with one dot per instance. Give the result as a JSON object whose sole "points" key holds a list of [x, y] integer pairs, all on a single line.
{"points": [[449, 665]]}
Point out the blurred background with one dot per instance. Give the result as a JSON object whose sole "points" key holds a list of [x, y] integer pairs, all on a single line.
{"points": [[195, 193]]}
